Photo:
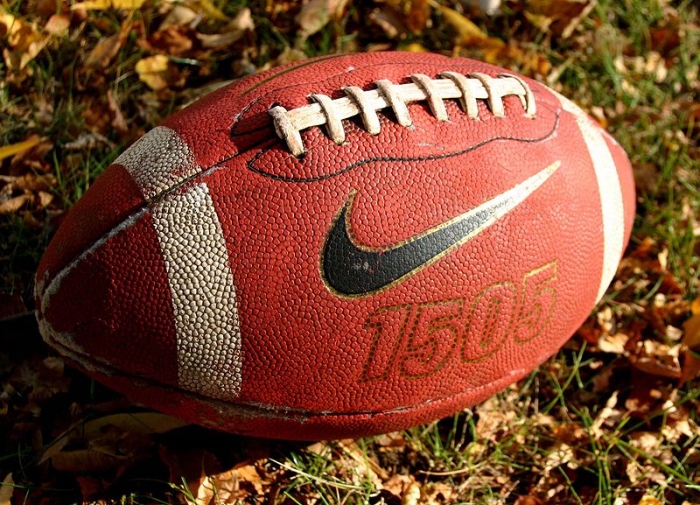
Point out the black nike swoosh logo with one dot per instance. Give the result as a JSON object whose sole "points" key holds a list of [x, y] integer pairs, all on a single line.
{"points": [[353, 269]]}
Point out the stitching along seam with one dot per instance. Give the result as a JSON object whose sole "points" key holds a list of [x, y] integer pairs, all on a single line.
{"points": [[451, 85]]}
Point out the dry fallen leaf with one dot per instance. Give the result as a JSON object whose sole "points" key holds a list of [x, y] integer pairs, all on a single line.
{"points": [[172, 40], [25, 40], [13, 204], [679, 425], [288, 55], [118, 121], [492, 48], [145, 423], [397, 484], [493, 418], [561, 17], [180, 15], [389, 22], [211, 11], [365, 467], [29, 182], [614, 344], [58, 25], [412, 494], [153, 71], [109, 4], [691, 345], [539, 20], [104, 51], [438, 493], [87, 141], [418, 15], [232, 486], [242, 23], [658, 359], [87, 460], [112, 443], [466, 29], [12, 149], [7, 487], [16, 191], [43, 8], [315, 14], [691, 326], [607, 415], [531, 60]]}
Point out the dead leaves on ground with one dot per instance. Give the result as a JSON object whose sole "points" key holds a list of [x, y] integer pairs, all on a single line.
{"points": [[267, 476], [25, 40], [98, 113], [28, 183], [315, 15], [658, 335], [133, 58]]}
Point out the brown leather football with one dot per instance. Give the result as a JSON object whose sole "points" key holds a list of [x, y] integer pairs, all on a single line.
{"points": [[339, 247]]}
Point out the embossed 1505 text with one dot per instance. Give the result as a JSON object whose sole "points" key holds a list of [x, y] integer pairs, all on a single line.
{"points": [[417, 340]]}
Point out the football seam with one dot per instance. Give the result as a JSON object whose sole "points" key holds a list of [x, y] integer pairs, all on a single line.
{"points": [[388, 159], [451, 85], [277, 410]]}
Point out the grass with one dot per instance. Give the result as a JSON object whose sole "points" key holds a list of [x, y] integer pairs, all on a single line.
{"points": [[589, 427]]}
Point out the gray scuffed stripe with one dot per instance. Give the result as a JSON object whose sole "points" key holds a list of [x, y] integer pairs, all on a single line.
{"points": [[158, 161], [203, 293]]}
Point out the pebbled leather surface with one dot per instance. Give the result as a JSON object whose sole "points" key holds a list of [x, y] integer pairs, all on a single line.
{"points": [[313, 362]]}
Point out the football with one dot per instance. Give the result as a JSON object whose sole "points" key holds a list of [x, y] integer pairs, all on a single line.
{"points": [[342, 246]]}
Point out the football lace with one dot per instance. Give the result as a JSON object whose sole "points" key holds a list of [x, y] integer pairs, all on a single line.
{"points": [[467, 89]]}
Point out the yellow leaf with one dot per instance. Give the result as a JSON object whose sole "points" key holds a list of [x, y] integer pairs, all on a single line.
{"points": [[94, 5], [695, 307], [11, 26], [7, 488], [100, 5], [493, 48], [212, 11], [539, 20], [691, 345], [130, 5], [11, 150], [24, 39], [691, 328], [467, 29], [152, 70], [414, 47]]}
